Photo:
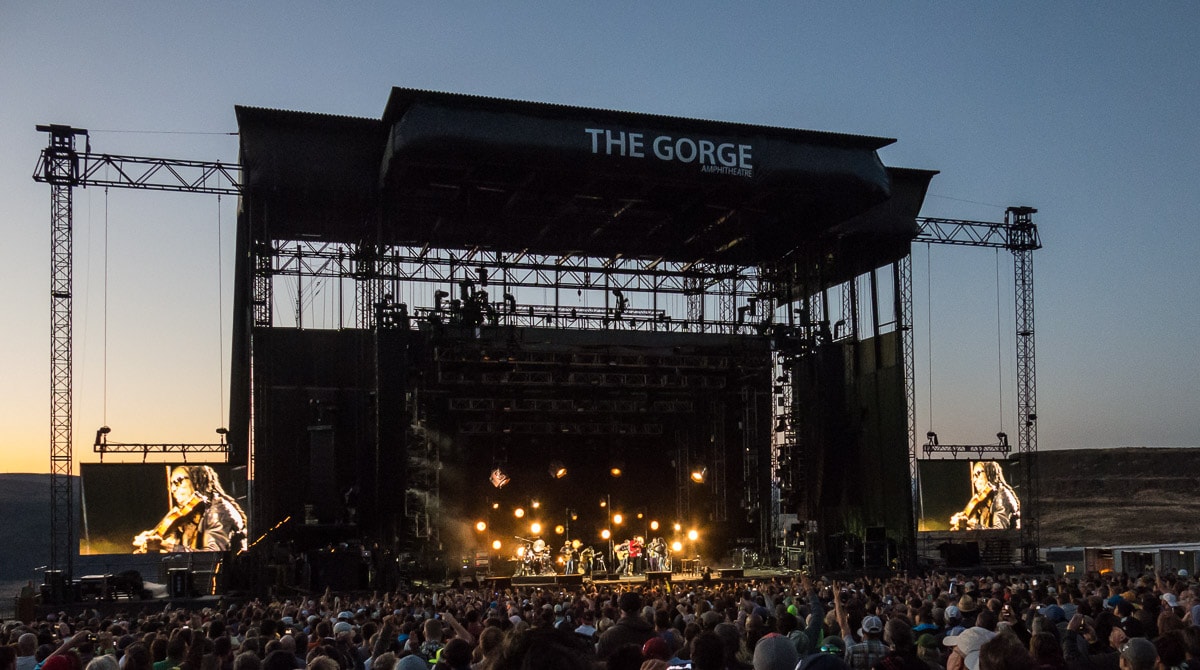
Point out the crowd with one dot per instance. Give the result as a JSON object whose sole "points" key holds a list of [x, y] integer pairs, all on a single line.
{"points": [[936, 622]]}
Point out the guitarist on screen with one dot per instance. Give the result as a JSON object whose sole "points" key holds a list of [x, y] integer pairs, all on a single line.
{"points": [[203, 517], [993, 504]]}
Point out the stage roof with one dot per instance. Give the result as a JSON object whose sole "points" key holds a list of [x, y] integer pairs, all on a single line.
{"points": [[453, 170]]}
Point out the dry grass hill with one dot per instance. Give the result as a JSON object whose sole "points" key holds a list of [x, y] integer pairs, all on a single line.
{"points": [[1132, 495]]}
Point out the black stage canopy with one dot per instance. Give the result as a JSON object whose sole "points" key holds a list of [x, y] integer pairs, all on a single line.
{"points": [[450, 170]]}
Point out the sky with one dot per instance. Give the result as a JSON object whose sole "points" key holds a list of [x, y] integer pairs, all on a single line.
{"points": [[1084, 110]]}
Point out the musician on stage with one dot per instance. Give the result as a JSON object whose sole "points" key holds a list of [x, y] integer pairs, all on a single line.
{"points": [[657, 551], [203, 517], [621, 553], [993, 504], [635, 555]]}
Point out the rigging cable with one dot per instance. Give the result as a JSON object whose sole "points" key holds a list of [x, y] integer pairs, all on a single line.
{"points": [[104, 338], [929, 324], [220, 324], [999, 346]]}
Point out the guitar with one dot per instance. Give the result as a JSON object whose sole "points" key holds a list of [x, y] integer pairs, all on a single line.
{"points": [[142, 541]]}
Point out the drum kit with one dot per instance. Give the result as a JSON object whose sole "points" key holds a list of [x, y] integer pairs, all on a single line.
{"points": [[534, 558]]}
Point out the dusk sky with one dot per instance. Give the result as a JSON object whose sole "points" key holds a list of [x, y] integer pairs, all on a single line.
{"points": [[1086, 111]]}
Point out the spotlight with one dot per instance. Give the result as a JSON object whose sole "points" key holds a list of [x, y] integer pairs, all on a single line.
{"points": [[535, 528], [653, 525], [496, 545], [481, 526], [535, 504], [558, 470], [617, 519], [700, 475], [678, 527], [677, 546], [559, 529], [519, 512], [604, 534], [692, 535], [616, 469], [498, 478], [931, 438]]}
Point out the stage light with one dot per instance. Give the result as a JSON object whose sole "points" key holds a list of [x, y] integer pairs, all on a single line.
{"points": [[498, 478], [678, 527], [931, 437], [520, 550], [575, 544], [481, 526], [535, 504], [653, 525], [496, 545], [677, 546], [1003, 437], [605, 534], [495, 505], [559, 529], [617, 519], [692, 535], [535, 528], [699, 475], [558, 470], [640, 515], [616, 469], [519, 512], [603, 502]]}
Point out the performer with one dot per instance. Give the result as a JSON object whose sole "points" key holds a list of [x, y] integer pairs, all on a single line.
{"points": [[993, 504], [621, 553], [635, 555], [657, 550], [203, 518]]}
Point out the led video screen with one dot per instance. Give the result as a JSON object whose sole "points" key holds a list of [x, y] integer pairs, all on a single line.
{"points": [[967, 495], [156, 508]]}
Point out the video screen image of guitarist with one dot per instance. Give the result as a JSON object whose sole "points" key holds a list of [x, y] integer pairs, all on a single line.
{"points": [[202, 518]]}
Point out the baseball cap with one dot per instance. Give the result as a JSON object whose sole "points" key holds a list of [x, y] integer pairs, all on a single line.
{"points": [[872, 624], [1170, 599], [1139, 652], [656, 647], [952, 612]]}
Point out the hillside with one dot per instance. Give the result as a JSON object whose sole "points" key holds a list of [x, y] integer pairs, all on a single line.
{"points": [[1133, 495]]}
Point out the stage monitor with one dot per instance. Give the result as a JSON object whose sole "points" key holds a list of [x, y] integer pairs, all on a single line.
{"points": [[967, 495], [160, 508]]}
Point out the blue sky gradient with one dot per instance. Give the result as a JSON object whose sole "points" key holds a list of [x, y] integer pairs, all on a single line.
{"points": [[1086, 111]]}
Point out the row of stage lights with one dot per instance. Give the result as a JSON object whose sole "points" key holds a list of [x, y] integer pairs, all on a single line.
{"points": [[558, 470], [617, 519]]}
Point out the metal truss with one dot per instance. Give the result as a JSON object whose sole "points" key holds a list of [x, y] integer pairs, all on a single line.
{"points": [[63, 167], [103, 446], [59, 167], [1019, 235]]}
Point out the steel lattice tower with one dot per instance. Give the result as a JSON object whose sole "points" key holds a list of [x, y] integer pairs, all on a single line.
{"points": [[61, 171]]}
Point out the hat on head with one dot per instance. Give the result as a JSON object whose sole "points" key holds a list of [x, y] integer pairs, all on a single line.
{"points": [[967, 604], [775, 653], [791, 609], [968, 643], [1054, 614], [1170, 599], [833, 645], [345, 614], [412, 662], [872, 624], [1131, 596], [515, 619], [656, 647], [928, 641], [1183, 572], [952, 612], [342, 627], [1113, 601], [630, 602], [1140, 653]]}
